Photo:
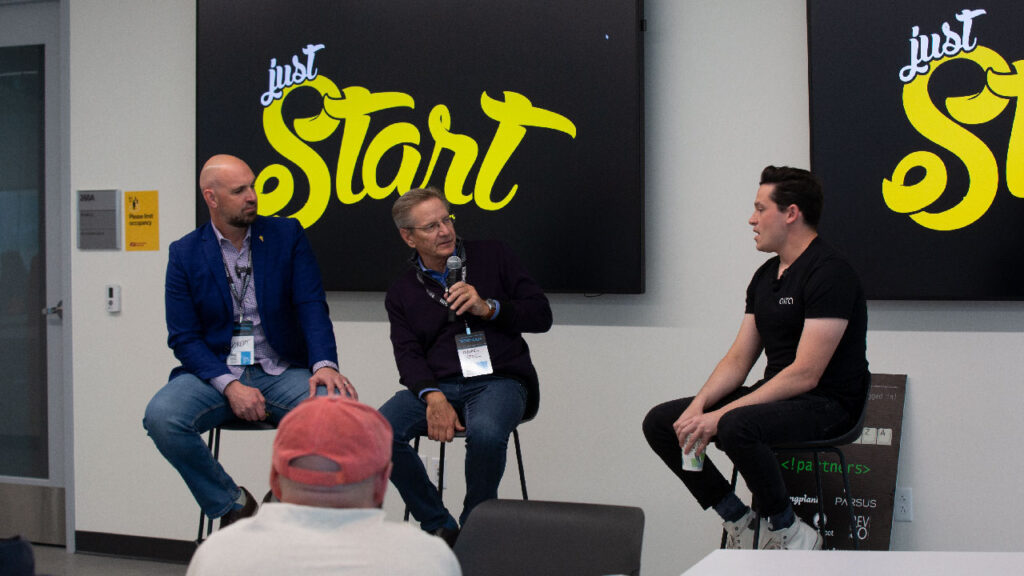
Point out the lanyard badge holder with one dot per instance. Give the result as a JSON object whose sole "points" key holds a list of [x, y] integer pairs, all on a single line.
{"points": [[474, 357], [243, 344], [473, 354]]}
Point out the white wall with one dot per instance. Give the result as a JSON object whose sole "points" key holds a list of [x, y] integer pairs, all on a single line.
{"points": [[726, 95]]}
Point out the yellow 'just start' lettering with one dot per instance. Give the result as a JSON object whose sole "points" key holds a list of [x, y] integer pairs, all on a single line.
{"points": [[355, 106], [1003, 84]]}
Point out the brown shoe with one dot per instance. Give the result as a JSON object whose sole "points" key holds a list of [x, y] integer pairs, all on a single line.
{"points": [[236, 514]]}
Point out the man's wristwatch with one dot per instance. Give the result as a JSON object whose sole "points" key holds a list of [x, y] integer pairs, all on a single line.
{"points": [[491, 307]]}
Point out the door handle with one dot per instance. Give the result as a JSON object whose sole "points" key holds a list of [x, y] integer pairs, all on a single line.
{"points": [[58, 310]]}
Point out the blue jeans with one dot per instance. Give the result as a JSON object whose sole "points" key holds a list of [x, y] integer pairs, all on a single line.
{"points": [[186, 407], [746, 435], [490, 408]]}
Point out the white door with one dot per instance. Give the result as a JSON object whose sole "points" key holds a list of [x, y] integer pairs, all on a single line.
{"points": [[33, 457]]}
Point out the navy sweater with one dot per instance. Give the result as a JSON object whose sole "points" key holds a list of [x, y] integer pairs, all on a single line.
{"points": [[424, 339]]}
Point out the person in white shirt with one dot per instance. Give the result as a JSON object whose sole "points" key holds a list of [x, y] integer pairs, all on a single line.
{"points": [[330, 469]]}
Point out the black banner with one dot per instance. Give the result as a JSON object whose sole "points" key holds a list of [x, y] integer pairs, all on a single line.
{"points": [[913, 131], [527, 114]]}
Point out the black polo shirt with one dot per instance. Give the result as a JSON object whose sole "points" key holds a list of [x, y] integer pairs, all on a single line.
{"points": [[819, 284]]}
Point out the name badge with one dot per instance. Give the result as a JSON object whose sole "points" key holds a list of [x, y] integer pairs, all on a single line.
{"points": [[473, 354], [243, 344]]}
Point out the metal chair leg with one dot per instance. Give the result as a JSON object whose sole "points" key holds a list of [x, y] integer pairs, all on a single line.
{"points": [[416, 448], [821, 504], [213, 444], [519, 459], [849, 501], [440, 471]]}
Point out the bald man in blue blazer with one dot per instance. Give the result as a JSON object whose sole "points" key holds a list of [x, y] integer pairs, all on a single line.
{"points": [[247, 318]]}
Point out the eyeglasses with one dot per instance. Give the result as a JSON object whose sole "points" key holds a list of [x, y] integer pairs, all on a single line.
{"points": [[433, 227]]}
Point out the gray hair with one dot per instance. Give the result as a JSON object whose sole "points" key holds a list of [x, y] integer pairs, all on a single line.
{"points": [[406, 202]]}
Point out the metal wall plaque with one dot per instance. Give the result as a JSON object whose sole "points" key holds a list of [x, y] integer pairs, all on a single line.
{"points": [[98, 220]]}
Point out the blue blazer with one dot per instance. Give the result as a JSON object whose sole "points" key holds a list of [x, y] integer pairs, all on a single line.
{"points": [[289, 293]]}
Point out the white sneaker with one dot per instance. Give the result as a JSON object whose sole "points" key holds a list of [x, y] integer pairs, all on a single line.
{"points": [[799, 536], [739, 535]]}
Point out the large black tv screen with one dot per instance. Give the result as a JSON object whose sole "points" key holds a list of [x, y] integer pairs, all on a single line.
{"points": [[916, 134], [528, 114]]}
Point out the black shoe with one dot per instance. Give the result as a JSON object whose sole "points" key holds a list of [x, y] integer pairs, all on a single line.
{"points": [[269, 497], [449, 535], [236, 514]]}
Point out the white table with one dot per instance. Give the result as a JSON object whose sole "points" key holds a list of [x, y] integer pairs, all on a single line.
{"points": [[858, 563]]}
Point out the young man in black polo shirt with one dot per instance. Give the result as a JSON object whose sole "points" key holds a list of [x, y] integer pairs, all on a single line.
{"points": [[805, 309]]}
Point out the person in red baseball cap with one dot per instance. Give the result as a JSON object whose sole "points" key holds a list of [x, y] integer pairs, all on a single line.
{"points": [[330, 469], [334, 454]]}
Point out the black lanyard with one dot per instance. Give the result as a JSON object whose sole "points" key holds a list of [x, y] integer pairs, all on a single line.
{"points": [[244, 275], [422, 276]]}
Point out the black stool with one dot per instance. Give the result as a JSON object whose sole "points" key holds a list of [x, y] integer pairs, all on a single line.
{"points": [[816, 447], [462, 434], [214, 444]]}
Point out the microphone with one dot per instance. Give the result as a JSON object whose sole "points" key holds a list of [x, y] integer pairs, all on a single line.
{"points": [[454, 266]]}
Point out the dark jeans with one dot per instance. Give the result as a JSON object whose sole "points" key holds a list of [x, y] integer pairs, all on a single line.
{"points": [[746, 435], [490, 408]]}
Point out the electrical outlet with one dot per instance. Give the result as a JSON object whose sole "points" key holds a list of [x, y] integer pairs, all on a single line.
{"points": [[903, 507]]}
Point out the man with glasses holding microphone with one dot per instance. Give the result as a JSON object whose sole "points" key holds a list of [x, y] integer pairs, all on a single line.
{"points": [[457, 317]]}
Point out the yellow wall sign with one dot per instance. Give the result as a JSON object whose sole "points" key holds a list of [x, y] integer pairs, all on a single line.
{"points": [[142, 220]]}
